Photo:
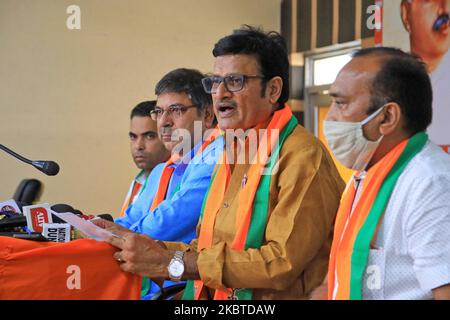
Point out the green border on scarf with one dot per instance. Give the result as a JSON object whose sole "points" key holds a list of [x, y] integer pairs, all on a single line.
{"points": [[362, 242], [258, 220], [260, 210], [189, 291]]}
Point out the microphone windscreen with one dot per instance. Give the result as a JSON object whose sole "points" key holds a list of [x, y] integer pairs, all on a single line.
{"points": [[51, 168], [61, 207], [106, 216]]}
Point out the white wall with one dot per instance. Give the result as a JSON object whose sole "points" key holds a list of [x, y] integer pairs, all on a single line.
{"points": [[66, 94]]}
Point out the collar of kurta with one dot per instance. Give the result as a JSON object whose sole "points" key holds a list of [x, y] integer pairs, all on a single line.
{"points": [[251, 215], [170, 166], [353, 233], [136, 187]]}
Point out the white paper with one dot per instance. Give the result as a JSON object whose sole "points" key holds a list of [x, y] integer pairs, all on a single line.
{"points": [[88, 228]]}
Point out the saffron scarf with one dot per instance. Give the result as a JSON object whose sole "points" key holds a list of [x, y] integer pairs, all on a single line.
{"points": [[167, 172], [251, 215], [351, 242], [164, 181], [133, 192]]}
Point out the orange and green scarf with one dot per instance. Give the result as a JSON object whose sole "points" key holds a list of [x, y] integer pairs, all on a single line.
{"points": [[134, 191], [251, 215], [351, 242], [164, 181], [168, 170]]}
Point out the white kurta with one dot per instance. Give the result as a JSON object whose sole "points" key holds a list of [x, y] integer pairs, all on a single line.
{"points": [[413, 255]]}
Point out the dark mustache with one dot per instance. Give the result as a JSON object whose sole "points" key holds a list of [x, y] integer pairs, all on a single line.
{"points": [[139, 155], [165, 130], [174, 133], [442, 20], [227, 103]]}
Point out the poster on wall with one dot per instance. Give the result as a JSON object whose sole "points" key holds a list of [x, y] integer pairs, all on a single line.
{"points": [[422, 27]]}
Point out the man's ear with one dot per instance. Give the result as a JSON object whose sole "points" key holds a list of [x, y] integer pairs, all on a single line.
{"points": [[404, 15], [392, 118], [208, 117], [273, 89]]}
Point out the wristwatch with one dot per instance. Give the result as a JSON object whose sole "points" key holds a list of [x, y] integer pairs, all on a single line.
{"points": [[176, 266]]}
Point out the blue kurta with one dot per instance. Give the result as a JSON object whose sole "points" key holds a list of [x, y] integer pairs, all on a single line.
{"points": [[176, 218]]}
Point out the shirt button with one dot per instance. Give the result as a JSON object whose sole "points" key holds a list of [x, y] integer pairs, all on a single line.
{"points": [[225, 205]]}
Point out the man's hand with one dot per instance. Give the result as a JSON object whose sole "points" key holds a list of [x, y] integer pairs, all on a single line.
{"points": [[111, 226], [321, 292], [442, 293], [141, 255]]}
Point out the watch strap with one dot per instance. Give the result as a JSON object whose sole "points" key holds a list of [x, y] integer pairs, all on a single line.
{"points": [[178, 256]]}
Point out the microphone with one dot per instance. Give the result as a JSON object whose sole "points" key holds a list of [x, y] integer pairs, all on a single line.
{"points": [[57, 232], [35, 236], [106, 216], [61, 207], [50, 168], [14, 220], [10, 219], [10, 206]]}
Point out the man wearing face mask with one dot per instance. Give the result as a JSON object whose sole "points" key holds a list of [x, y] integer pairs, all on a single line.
{"points": [[428, 25], [391, 237]]}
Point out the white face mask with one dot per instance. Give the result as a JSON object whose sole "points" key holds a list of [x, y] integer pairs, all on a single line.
{"points": [[348, 144]]}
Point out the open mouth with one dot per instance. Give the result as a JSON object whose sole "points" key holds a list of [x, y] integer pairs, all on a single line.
{"points": [[226, 110]]}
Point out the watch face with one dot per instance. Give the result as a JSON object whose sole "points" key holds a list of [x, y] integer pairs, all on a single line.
{"points": [[176, 269]]}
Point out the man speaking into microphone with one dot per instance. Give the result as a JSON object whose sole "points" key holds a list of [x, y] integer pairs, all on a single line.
{"points": [[266, 223]]}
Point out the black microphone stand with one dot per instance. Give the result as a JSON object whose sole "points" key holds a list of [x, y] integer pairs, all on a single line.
{"points": [[50, 168]]}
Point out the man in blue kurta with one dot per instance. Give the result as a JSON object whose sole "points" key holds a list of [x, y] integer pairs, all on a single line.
{"points": [[168, 208]]}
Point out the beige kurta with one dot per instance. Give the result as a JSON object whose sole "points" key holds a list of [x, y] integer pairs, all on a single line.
{"points": [[293, 260]]}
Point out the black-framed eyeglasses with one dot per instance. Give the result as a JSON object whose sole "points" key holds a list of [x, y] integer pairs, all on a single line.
{"points": [[233, 82], [175, 110]]}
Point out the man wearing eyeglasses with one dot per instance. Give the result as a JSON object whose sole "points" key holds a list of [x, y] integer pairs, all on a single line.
{"points": [[266, 224], [169, 206]]}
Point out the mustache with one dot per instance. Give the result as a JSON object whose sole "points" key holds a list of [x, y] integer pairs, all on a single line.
{"points": [[226, 103], [135, 155], [441, 21], [165, 130], [174, 133]]}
